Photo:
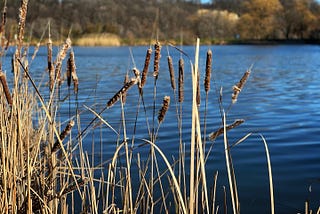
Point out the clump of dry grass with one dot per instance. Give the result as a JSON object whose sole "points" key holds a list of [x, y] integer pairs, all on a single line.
{"points": [[98, 40]]}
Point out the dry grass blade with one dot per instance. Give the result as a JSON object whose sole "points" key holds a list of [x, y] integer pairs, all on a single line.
{"points": [[217, 133], [123, 90], [229, 167], [175, 182], [238, 87], [105, 122], [5, 88], [164, 108], [270, 174], [181, 81], [208, 71], [171, 71], [62, 136]]}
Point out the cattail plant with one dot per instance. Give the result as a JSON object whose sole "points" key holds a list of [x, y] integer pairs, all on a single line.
{"points": [[238, 87], [125, 81], [181, 81], [62, 136], [157, 56], [74, 76], [171, 71], [5, 88], [50, 63], [208, 71], [145, 68], [122, 91], [22, 22], [198, 97], [164, 108], [61, 56]]}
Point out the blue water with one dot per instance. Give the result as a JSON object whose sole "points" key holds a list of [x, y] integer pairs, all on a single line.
{"points": [[280, 101]]}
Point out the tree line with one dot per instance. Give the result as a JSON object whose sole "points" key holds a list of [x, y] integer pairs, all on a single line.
{"points": [[221, 20]]}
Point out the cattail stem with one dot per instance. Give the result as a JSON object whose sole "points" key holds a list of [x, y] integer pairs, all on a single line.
{"points": [[181, 81], [124, 95], [164, 108], [5, 88], [171, 71]]}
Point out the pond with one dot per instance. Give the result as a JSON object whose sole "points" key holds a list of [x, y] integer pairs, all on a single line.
{"points": [[281, 101]]}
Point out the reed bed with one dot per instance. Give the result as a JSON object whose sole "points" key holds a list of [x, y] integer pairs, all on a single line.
{"points": [[45, 169]]}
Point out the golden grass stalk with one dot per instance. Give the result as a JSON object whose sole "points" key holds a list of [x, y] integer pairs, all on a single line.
{"points": [[57, 145], [120, 93], [5, 88], [164, 108], [270, 174], [235, 204], [145, 68], [214, 135], [208, 71], [181, 81], [157, 56], [238, 87], [171, 71]]}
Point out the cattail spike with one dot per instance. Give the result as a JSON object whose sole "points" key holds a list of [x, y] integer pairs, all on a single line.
{"points": [[145, 68], [62, 136], [198, 96], [5, 88], [164, 109], [171, 71], [61, 56], [120, 93], [22, 22], [157, 56], [124, 95], [238, 87], [181, 81], [208, 71]]}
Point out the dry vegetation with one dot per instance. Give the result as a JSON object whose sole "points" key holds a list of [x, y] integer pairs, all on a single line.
{"points": [[44, 169]]}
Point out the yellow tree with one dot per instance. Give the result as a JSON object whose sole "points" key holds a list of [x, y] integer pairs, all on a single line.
{"points": [[260, 19], [298, 18]]}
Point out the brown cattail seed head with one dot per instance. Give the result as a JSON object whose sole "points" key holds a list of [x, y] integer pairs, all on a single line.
{"points": [[62, 136], [208, 71], [171, 71], [238, 87], [5, 88], [146, 68], [120, 93], [124, 95], [157, 56], [164, 108], [198, 97], [181, 73]]}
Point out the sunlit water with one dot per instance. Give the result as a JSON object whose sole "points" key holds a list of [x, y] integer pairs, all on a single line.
{"points": [[280, 101]]}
